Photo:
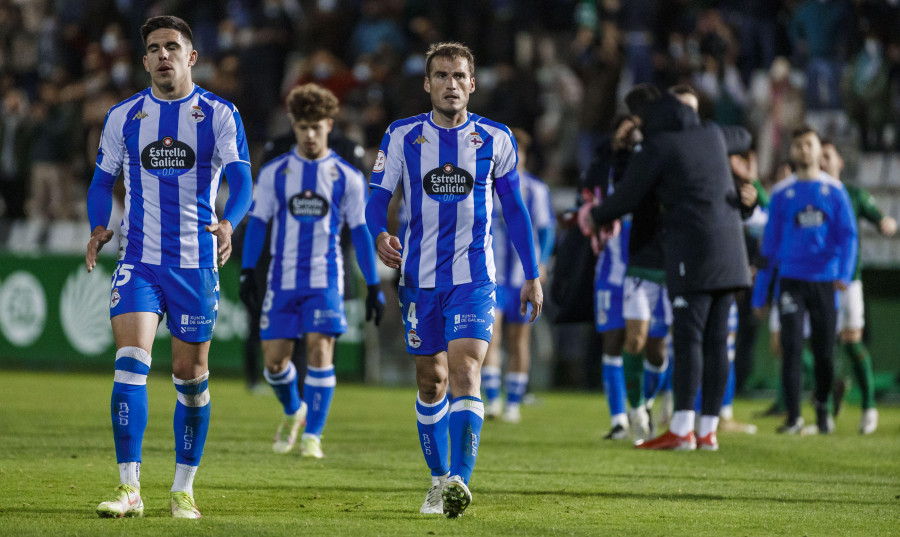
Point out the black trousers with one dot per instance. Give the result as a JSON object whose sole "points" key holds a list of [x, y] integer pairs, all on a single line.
{"points": [[699, 336], [795, 299]]}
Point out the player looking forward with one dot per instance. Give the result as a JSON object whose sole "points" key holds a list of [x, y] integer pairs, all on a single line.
{"points": [[449, 162], [171, 141]]}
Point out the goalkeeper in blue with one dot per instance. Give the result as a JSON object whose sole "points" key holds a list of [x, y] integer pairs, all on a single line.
{"points": [[308, 194], [449, 162], [171, 142]]}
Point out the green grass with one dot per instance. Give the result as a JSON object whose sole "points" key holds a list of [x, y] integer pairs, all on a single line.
{"points": [[552, 474]]}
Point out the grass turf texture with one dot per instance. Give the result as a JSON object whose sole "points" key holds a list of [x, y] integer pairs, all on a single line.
{"points": [[552, 474]]}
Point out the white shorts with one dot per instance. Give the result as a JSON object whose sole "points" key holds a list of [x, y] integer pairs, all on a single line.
{"points": [[775, 322], [646, 301], [850, 310]]}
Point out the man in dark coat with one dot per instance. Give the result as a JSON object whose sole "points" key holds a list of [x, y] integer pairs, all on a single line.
{"points": [[684, 163]]}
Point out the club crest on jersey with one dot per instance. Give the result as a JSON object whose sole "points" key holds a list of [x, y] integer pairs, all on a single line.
{"points": [[413, 339], [448, 184], [167, 157], [379, 162], [197, 114], [809, 217], [474, 140], [308, 206]]}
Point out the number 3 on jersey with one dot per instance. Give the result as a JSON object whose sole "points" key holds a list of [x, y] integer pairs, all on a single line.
{"points": [[122, 274], [411, 316]]}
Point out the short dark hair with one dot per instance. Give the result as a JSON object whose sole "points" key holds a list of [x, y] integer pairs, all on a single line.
{"points": [[803, 131], [312, 102], [167, 21], [827, 141], [450, 50], [639, 98]]}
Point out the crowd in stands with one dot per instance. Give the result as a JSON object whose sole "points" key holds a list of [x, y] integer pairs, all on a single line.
{"points": [[555, 68]]}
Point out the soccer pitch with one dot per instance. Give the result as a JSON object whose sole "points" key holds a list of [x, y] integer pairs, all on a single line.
{"points": [[551, 474]]}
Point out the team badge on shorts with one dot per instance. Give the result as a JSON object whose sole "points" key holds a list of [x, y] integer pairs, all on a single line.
{"points": [[114, 298], [264, 321], [413, 339]]}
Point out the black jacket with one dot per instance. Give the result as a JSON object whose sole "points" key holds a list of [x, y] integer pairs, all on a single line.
{"points": [[684, 163], [645, 239]]}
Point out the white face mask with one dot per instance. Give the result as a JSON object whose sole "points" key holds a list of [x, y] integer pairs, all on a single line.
{"points": [[109, 42], [121, 73], [873, 47]]}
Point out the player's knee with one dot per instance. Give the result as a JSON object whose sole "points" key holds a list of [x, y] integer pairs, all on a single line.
{"points": [[277, 365]]}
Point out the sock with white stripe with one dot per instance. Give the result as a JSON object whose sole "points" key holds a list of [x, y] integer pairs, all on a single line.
{"points": [[490, 379], [614, 387], [433, 422], [129, 410], [653, 378], [191, 422], [318, 390], [285, 386], [466, 418], [516, 383]]}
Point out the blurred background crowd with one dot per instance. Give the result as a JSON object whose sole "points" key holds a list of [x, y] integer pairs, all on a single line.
{"points": [[556, 68]]}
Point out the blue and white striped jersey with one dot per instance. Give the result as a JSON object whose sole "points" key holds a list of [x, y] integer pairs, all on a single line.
{"points": [[536, 195], [448, 180], [172, 154], [309, 202], [613, 260]]}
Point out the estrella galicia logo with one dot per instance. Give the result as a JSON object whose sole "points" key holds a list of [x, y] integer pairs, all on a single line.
{"points": [[168, 157], [308, 206], [448, 184], [809, 217]]}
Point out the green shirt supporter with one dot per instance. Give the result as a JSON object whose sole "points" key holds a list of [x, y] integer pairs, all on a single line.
{"points": [[863, 207]]}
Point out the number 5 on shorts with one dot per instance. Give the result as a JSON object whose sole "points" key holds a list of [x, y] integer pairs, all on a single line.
{"points": [[122, 275]]}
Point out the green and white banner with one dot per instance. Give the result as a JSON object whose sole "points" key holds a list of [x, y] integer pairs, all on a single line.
{"points": [[54, 314]]}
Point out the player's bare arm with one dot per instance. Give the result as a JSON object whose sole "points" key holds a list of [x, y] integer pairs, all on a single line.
{"points": [[99, 237], [222, 230], [534, 293], [388, 248], [887, 226]]}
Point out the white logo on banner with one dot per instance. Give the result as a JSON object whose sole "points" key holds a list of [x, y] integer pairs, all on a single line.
{"points": [[84, 310], [23, 308]]}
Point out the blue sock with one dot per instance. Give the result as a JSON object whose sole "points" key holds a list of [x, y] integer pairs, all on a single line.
{"points": [[433, 421], [318, 390], [490, 379], [516, 383], [653, 379], [285, 386], [128, 405], [614, 384], [670, 361], [729, 387], [191, 421], [466, 417]]}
